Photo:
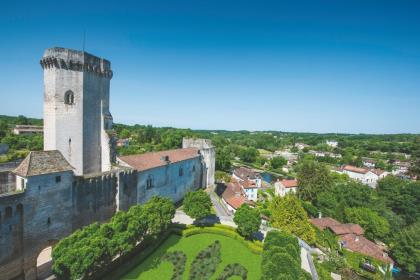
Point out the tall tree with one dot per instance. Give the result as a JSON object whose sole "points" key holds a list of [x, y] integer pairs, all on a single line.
{"points": [[313, 178], [197, 204], [248, 220], [288, 214]]}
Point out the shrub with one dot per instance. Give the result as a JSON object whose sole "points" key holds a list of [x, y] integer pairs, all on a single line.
{"points": [[178, 260], [233, 270], [205, 264]]}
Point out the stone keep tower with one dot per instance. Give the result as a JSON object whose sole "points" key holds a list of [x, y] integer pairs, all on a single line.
{"points": [[77, 121]]}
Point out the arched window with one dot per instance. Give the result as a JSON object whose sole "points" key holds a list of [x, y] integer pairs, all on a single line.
{"points": [[69, 97], [149, 182]]}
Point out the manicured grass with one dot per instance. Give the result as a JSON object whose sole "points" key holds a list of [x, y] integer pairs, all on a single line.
{"points": [[232, 251]]}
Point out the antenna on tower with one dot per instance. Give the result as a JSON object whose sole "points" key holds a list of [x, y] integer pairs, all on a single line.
{"points": [[84, 39]]}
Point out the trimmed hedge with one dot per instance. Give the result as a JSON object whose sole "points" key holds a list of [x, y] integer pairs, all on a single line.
{"points": [[255, 247]]}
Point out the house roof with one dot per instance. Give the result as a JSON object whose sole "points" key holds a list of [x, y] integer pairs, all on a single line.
{"points": [[245, 173], [42, 162], [355, 169], [156, 159], [323, 223], [248, 184], [341, 229], [289, 183], [362, 245], [378, 171], [233, 195]]}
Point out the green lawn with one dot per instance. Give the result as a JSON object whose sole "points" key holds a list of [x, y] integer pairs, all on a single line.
{"points": [[232, 251]]}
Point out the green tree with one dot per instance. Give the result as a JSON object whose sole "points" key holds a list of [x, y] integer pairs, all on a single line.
{"points": [[248, 220], [278, 162], [197, 204], [288, 214], [223, 159], [249, 155], [313, 178], [374, 225], [405, 247]]}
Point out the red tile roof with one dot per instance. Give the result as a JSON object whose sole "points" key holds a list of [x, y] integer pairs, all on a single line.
{"points": [[248, 184], [156, 159], [233, 195], [364, 246], [245, 173], [341, 229], [378, 172], [355, 169], [323, 223], [289, 183]]}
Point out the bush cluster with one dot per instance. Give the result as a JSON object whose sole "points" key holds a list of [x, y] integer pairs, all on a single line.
{"points": [[94, 247], [234, 269], [281, 257], [178, 260], [205, 264]]}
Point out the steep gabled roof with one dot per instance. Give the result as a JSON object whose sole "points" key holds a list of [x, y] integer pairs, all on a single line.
{"points": [[42, 162]]}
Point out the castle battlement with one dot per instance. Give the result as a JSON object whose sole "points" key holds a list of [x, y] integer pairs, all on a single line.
{"points": [[74, 60]]}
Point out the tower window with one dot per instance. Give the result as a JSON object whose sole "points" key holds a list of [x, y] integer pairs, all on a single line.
{"points": [[69, 97]]}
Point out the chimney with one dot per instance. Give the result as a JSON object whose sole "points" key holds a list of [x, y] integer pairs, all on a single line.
{"points": [[319, 215], [356, 238]]}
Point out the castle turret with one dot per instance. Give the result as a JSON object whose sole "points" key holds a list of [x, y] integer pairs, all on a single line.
{"points": [[77, 120]]}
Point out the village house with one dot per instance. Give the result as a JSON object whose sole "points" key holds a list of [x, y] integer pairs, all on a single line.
{"points": [[289, 156], [366, 176], [283, 187], [234, 196], [351, 237], [249, 180], [301, 146], [27, 129], [332, 143]]}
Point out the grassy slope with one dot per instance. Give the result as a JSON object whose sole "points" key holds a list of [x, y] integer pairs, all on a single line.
{"points": [[232, 251]]}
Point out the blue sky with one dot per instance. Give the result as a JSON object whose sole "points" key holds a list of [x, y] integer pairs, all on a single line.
{"points": [[316, 66]]}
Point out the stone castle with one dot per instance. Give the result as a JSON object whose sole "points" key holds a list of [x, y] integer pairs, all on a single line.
{"points": [[78, 179]]}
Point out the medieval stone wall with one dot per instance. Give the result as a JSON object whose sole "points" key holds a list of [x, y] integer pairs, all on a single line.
{"points": [[171, 181]]}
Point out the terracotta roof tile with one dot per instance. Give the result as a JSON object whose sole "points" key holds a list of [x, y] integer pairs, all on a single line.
{"points": [[341, 229], [289, 183], [364, 246], [42, 162], [245, 173], [233, 195], [355, 169], [156, 159], [323, 223]]}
